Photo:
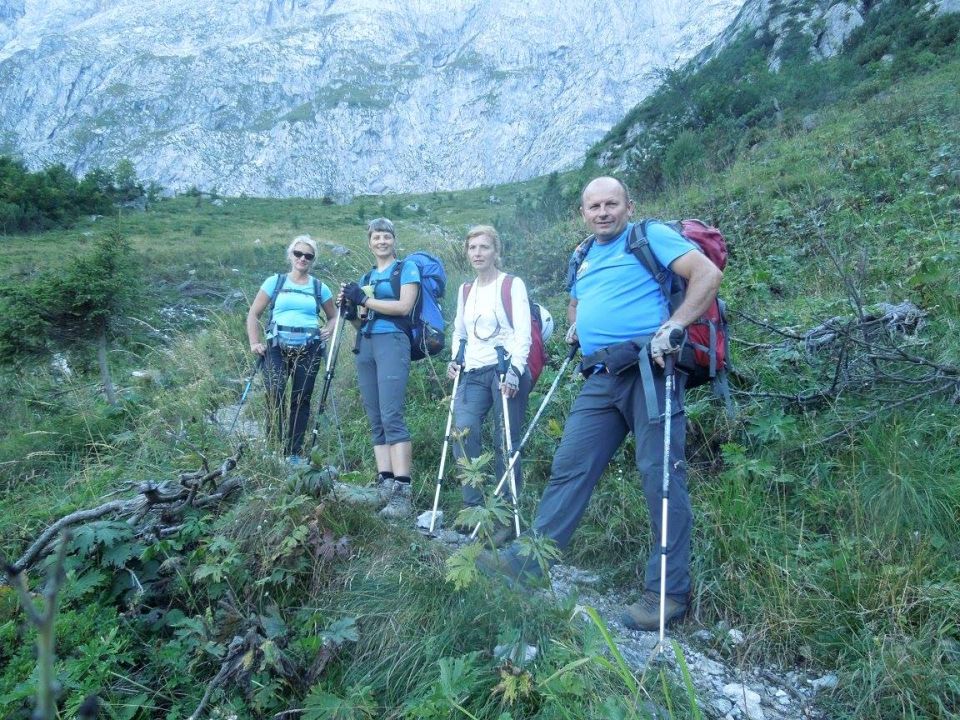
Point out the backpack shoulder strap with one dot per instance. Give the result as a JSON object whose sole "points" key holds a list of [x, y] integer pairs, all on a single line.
{"points": [[465, 291], [639, 245], [395, 278], [281, 279], [316, 295], [506, 297], [576, 260]]}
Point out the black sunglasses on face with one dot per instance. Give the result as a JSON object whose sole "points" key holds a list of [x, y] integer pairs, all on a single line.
{"points": [[297, 254]]}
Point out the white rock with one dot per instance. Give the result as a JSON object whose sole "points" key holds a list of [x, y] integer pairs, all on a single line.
{"points": [[826, 682], [746, 700], [423, 520], [517, 654], [735, 637]]}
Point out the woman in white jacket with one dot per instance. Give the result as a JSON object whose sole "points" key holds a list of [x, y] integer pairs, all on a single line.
{"points": [[491, 341]]}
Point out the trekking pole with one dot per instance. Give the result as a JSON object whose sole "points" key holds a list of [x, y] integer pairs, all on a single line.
{"points": [[246, 391], [328, 375], [507, 436], [446, 433], [670, 362], [531, 426]]}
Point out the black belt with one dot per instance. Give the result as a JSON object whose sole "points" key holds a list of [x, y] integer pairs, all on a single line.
{"points": [[304, 330], [624, 357]]}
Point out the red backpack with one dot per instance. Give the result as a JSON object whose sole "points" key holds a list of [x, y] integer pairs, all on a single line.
{"points": [[537, 357]]}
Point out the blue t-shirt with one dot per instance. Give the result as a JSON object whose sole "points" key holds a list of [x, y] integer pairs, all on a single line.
{"points": [[617, 299], [296, 305], [383, 290]]}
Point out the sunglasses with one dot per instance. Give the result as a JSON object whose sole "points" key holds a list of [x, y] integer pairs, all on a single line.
{"points": [[297, 254]]}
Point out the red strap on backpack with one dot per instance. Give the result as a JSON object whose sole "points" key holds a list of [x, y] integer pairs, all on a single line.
{"points": [[537, 357]]}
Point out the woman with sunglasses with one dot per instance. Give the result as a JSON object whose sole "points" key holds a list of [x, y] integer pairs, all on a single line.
{"points": [[383, 361], [493, 361], [295, 341]]}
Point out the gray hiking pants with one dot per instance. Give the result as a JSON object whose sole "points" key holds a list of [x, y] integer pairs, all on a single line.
{"points": [[608, 407], [383, 365], [478, 392]]}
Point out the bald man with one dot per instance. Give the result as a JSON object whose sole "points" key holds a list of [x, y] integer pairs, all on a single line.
{"points": [[616, 306]]}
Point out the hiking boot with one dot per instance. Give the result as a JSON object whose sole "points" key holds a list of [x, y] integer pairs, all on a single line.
{"points": [[517, 573], [645, 613], [399, 504], [383, 487]]}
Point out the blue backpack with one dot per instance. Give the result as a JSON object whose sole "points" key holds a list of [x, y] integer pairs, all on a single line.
{"points": [[424, 325]]}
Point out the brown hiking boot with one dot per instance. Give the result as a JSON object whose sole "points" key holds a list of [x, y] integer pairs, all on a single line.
{"points": [[645, 613]]}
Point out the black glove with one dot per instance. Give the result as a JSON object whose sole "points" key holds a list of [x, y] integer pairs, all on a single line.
{"points": [[353, 293]]}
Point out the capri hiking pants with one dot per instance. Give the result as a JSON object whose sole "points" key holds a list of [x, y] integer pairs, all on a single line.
{"points": [[383, 366], [608, 407], [478, 392], [302, 364]]}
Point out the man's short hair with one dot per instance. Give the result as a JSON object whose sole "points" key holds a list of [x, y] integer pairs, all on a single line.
{"points": [[626, 190]]}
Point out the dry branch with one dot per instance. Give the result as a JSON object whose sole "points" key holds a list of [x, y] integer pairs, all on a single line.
{"points": [[154, 511]]}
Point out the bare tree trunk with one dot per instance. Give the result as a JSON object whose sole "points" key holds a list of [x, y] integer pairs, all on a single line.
{"points": [[105, 378]]}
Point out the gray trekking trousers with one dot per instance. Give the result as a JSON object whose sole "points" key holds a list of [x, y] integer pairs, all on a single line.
{"points": [[383, 366], [608, 407], [478, 392]]}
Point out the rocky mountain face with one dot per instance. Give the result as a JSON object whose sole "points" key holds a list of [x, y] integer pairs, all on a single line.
{"points": [[824, 24], [332, 97]]}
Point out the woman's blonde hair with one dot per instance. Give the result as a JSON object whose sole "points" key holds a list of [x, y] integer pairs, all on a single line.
{"points": [[491, 232], [298, 240]]}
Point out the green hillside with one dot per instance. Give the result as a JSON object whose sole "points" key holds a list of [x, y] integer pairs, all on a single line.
{"points": [[828, 509]]}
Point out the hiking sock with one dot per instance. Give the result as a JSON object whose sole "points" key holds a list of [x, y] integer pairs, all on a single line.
{"points": [[383, 476], [402, 479]]}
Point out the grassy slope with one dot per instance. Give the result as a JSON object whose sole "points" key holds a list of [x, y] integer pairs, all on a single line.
{"points": [[839, 555]]}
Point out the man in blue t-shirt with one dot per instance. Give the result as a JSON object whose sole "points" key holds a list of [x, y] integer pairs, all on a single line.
{"points": [[614, 301]]}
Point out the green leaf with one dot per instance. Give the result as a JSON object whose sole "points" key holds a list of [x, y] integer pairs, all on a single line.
{"points": [[118, 555], [462, 566], [341, 631], [322, 705]]}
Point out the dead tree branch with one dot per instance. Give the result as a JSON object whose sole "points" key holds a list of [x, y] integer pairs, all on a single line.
{"points": [[155, 511]]}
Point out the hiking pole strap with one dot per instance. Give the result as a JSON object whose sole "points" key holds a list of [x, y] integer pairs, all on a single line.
{"points": [[502, 365]]}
